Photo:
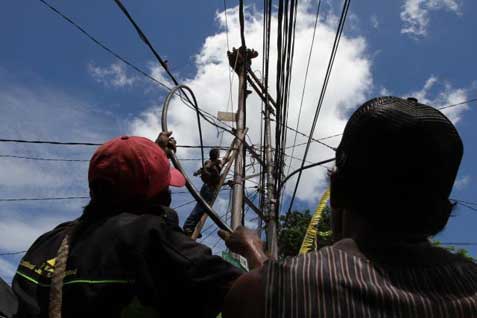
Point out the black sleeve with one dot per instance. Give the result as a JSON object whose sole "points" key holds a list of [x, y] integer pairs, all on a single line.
{"points": [[174, 269], [8, 301]]}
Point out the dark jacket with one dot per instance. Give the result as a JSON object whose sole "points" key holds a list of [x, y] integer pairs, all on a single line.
{"points": [[126, 265], [8, 301]]}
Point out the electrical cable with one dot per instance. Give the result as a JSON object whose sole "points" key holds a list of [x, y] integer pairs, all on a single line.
{"points": [[323, 91], [68, 143], [102, 45], [125, 61], [466, 202], [304, 168], [470, 207], [144, 38], [190, 186], [165, 67], [341, 134], [242, 25], [43, 159], [44, 199], [12, 253], [304, 83], [183, 204]]}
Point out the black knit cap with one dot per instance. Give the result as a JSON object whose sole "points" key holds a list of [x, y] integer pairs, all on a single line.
{"points": [[394, 143]]}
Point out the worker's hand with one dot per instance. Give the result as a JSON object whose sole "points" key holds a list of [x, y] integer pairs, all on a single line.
{"points": [[245, 242], [241, 240], [165, 141], [198, 172]]}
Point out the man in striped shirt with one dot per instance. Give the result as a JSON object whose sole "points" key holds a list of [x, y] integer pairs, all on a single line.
{"points": [[395, 169]]}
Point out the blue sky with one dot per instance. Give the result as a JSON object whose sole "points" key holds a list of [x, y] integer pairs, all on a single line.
{"points": [[56, 84]]}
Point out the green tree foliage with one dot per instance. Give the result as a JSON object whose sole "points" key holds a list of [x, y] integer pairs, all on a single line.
{"points": [[293, 227], [455, 250]]}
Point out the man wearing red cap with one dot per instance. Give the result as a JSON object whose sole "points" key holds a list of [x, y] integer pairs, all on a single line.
{"points": [[126, 255]]}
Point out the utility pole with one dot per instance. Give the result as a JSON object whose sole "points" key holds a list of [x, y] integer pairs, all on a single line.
{"points": [[240, 60], [269, 201]]}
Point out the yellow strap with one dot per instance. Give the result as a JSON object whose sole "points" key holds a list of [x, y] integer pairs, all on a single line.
{"points": [[309, 241]]}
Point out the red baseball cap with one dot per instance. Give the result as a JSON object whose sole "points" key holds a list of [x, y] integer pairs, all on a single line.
{"points": [[135, 167]]}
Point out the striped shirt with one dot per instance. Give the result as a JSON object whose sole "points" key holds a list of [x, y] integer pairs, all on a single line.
{"points": [[339, 281]]}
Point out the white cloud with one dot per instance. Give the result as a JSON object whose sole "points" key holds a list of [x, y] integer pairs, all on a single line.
{"points": [[374, 21], [462, 182], [384, 91], [115, 75], [7, 270], [415, 14], [439, 93], [17, 232], [349, 84], [43, 113]]}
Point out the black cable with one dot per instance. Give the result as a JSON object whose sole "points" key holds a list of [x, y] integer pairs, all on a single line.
{"points": [[165, 67], [466, 202], [467, 206], [242, 26], [12, 253], [64, 143], [144, 38], [184, 204], [146, 41], [43, 159], [312, 139], [43, 199], [102, 45], [439, 108], [304, 83], [460, 243], [68, 143], [190, 186], [323, 91], [304, 168], [458, 104], [136, 68]]}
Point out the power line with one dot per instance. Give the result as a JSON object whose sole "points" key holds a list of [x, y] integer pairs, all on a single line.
{"points": [[12, 253], [144, 38], [64, 143], [439, 108], [44, 199], [466, 202], [208, 117], [467, 206], [323, 91], [460, 243], [43, 159], [184, 204], [305, 81], [102, 45], [71, 160], [458, 104], [69, 143]]}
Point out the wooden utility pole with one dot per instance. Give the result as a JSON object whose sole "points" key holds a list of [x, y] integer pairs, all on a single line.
{"points": [[240, 60], [270, 201]]}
